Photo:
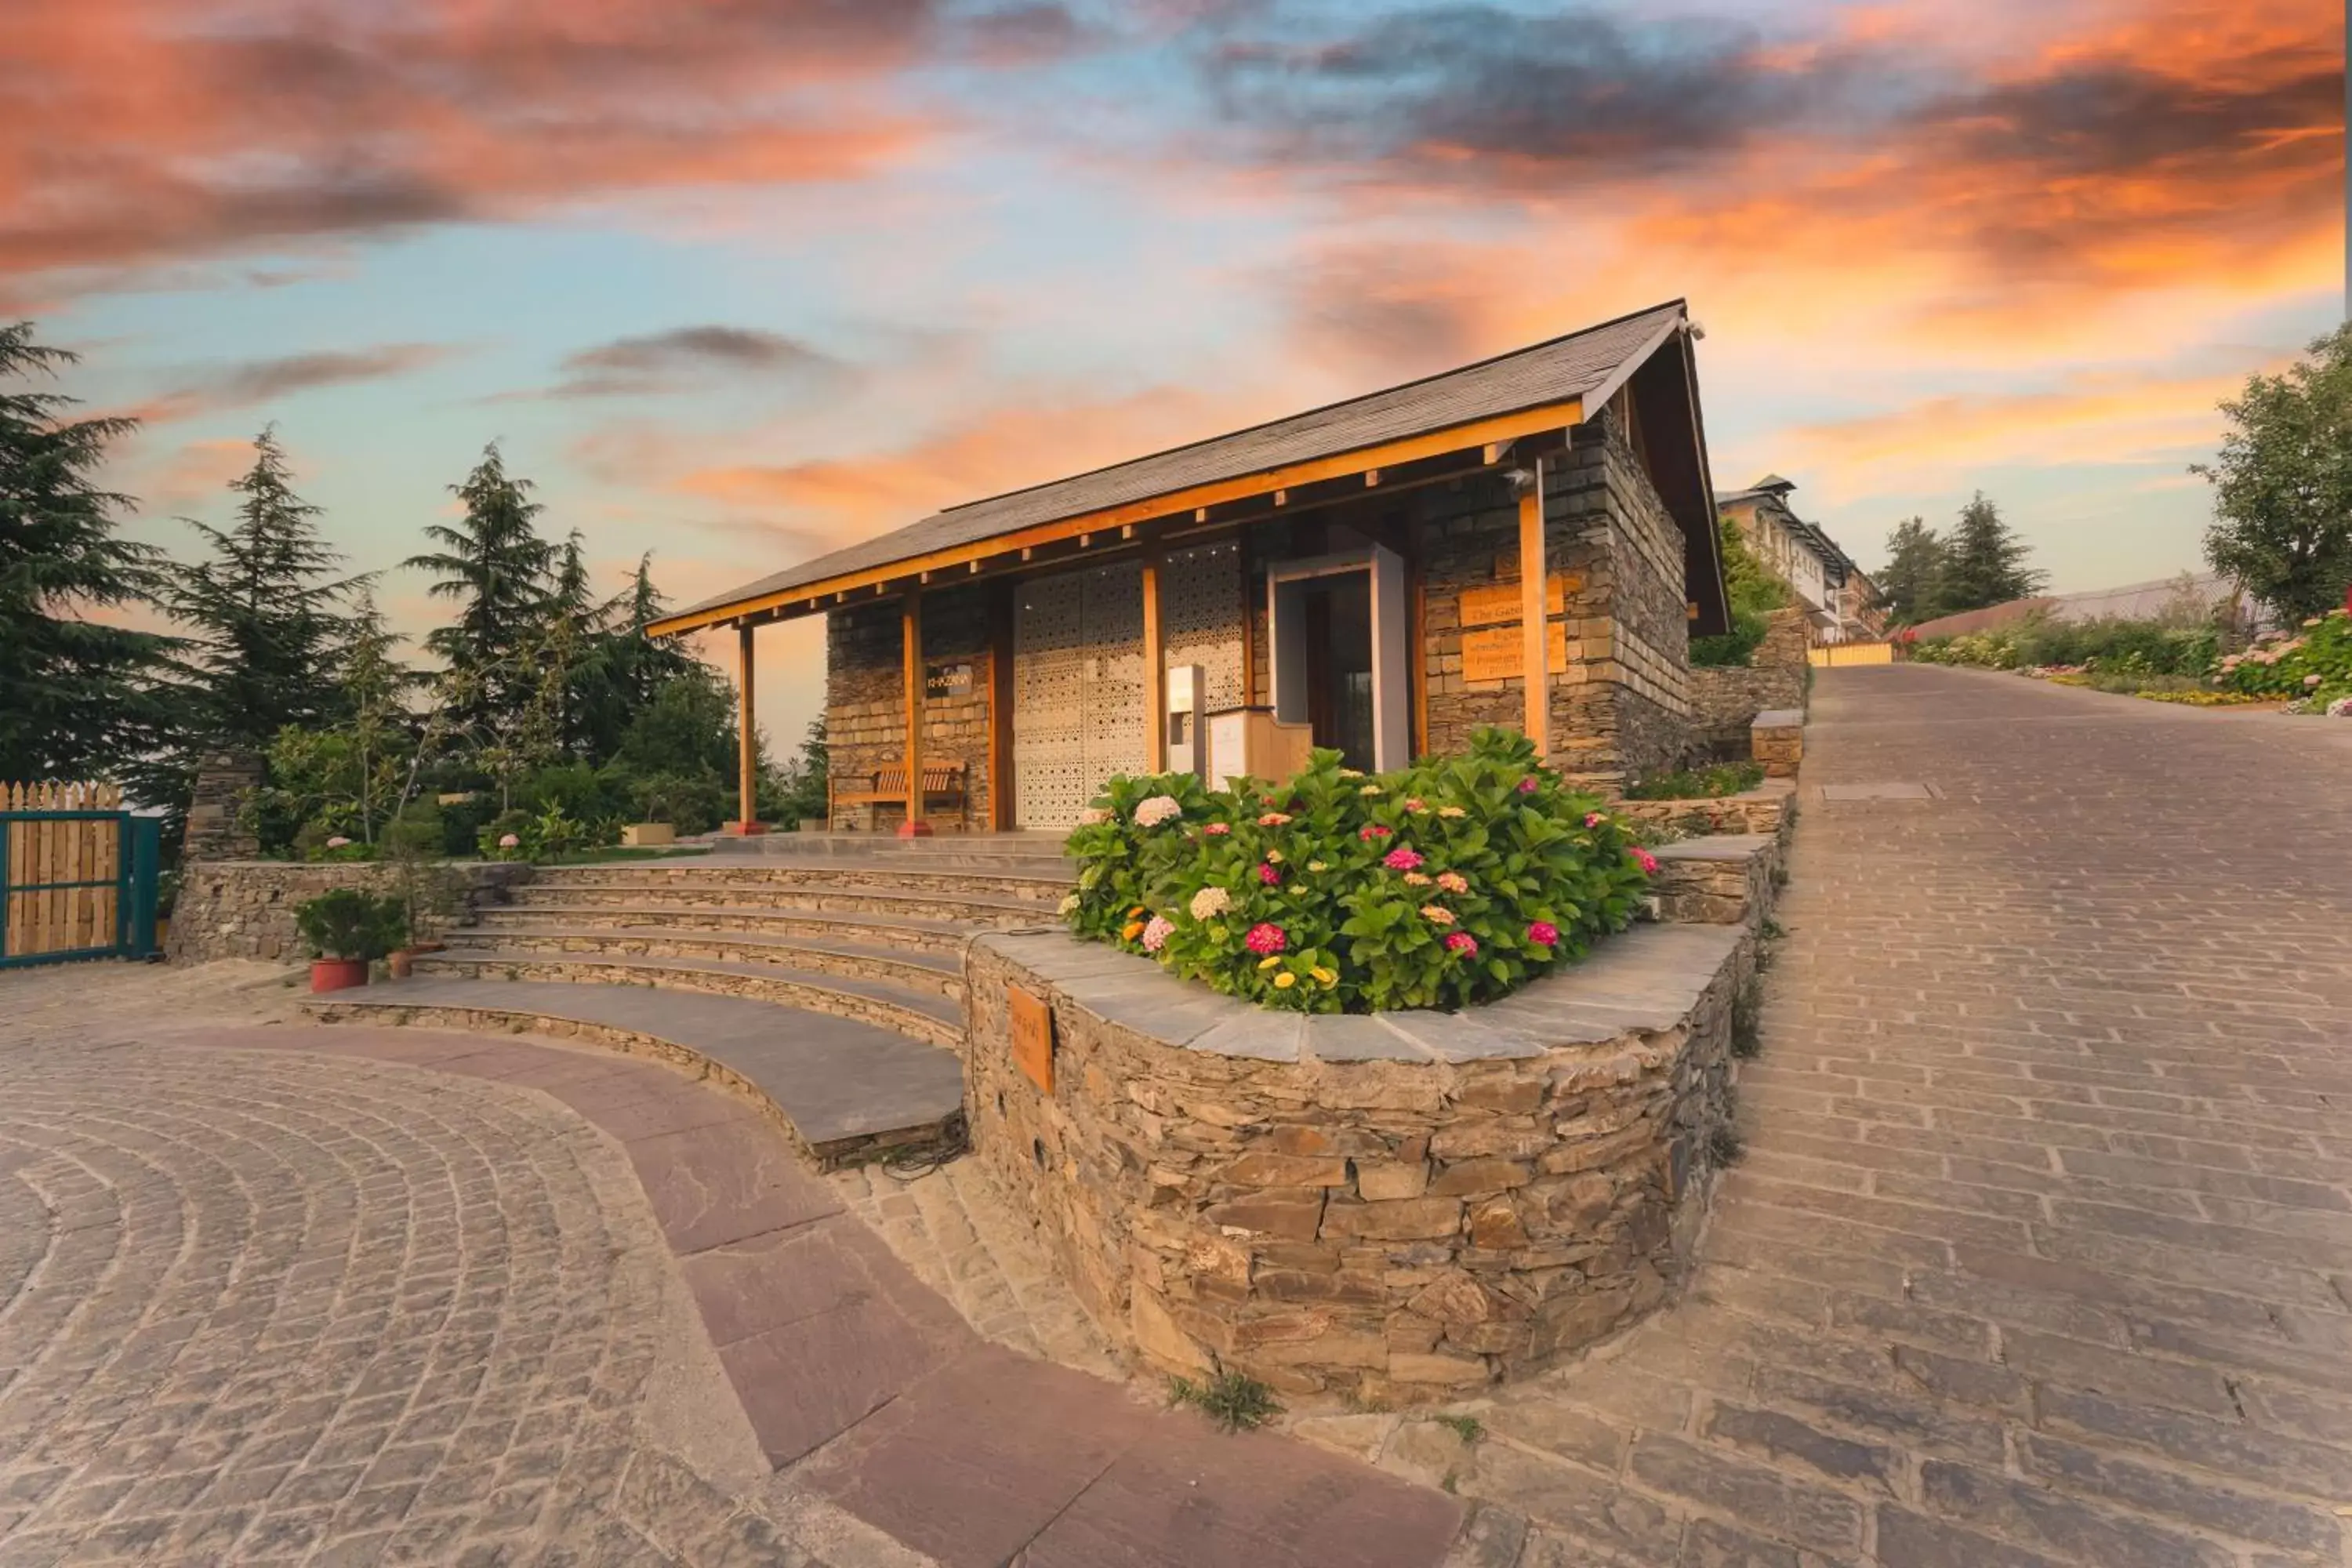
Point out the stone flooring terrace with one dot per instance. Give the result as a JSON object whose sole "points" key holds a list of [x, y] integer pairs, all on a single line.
{"points": [[2040, 1254]]}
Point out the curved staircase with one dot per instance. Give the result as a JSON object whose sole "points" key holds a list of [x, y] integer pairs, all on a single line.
{"points": [[825, 976]]}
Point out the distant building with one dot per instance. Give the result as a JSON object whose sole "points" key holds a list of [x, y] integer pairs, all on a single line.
{"points": [[1840, 602]]}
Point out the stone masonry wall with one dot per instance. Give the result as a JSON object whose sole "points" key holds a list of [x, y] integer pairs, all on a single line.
{"points": [[865, 722], [1726, 698], [1383, 1229], [1621, 707], [215, 832], [244, 908]]}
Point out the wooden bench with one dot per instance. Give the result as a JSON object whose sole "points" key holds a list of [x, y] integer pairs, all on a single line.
{"points": [[887, 786]]}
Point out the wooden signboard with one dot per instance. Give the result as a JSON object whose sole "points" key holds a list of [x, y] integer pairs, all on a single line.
{"points": [[1494, 653], [1486, 606], [1032, 1036]]}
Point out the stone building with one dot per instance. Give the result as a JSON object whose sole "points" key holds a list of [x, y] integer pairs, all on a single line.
{"points": [[1377, 575]]}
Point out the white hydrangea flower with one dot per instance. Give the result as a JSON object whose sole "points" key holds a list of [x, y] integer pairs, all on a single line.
{"points": [[1156, 810], [1069, 904], [1211, 902]]}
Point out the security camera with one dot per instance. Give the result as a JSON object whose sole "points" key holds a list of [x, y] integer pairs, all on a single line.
{"points": [[1521, 480]]}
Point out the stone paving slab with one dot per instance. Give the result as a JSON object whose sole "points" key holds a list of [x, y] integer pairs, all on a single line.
{"points": [[833, 1078], [963, 1450]]}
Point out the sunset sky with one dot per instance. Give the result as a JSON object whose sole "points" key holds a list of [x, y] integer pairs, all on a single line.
{"points": [[738, 282]]}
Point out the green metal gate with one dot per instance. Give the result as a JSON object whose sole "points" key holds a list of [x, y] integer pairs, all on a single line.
{"points": [[75, 883]]}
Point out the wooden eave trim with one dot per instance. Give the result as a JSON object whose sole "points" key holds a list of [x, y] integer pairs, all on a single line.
{"points": [[1485, 432]]}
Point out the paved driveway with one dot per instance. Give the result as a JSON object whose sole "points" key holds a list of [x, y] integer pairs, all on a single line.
{"points": [[2041, 1248]]}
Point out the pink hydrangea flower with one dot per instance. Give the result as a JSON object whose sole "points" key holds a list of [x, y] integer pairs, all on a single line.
{"points": [[1156, 934], [1453, 881], [1416, 879], [1543, 933], [337, 842], [1402, 859], [1647, 862], [1268, 875], [509, 842], [1437, 914], [1373, 830], [1462, 942], [1593, 819], [1414, 803], [1529, 785], [1218, 829], [1275, 819], [1266, 940]]}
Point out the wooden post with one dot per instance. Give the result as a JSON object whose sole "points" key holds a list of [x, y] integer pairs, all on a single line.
{"points": [[747, 738], [1003, 800], [1155, 671], [1536, 657], [912, 636]]}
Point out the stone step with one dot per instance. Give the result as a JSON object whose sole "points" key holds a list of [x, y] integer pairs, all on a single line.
{"points": [[976, 912], [1039, 888], [846, 1090], [1016, 851], [915, 969], [900, 932], [1726, 878], [928, 1017]]}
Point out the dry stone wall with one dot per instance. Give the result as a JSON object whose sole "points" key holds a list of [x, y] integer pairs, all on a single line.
{"points": [[1398, 1208], [244, 908], [1726, 698]]}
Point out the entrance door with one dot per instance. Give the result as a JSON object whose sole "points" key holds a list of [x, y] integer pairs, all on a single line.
{"points": [[1077, 700], [1341, 654]]}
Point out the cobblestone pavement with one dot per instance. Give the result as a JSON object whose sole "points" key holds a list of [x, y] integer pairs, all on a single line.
{"points": [[2041, 1248], [255, 1312]]}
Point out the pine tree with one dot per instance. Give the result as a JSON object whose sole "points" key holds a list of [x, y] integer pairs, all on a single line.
{"points": [[267, 613], [1985, 564], [1911, 583], [78, 698], [494, 563], [376, 684]]}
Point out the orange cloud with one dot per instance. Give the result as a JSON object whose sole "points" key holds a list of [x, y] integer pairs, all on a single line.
{"points": [[142, 130], [2093, 418]]}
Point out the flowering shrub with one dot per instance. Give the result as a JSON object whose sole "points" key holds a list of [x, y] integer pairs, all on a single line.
{"points": [[1454, 882], [2315, 663]]}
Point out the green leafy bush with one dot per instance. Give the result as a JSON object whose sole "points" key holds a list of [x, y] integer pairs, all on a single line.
{"points": [[2313, 664], [538, 836], [2111, 645], [1453, 881], [1753, 591], [347, 923], [1700, 784]]}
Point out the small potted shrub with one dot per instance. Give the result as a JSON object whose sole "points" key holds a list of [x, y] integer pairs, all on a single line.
{"points": [[346, 929]]}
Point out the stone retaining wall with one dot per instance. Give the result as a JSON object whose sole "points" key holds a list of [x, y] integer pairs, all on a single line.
{"points": [[1768, 810], [1393, 1209], [1724, 879], [1726, 698], [244, 908]]}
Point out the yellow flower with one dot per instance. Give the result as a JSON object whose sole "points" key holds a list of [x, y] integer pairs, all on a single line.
{"points": [[1369, 789], [1284, 981], [1437, 914], [1416, 879], [1273, 856], [1317, 865], [1269, 960], [1135, 911], [1451, 811], [1134, 929], [1295, 889], [1326, 978]]}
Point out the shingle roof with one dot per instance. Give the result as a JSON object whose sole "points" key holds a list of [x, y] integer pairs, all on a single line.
{"points": [[1575, 365]]}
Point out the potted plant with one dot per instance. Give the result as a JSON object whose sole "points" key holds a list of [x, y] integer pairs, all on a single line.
{"points": [[346, 929], [421, 882], [656, 798]]}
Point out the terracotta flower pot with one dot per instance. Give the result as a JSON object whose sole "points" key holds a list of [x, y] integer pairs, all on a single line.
{"points": [[399, 961], [338, 973]]}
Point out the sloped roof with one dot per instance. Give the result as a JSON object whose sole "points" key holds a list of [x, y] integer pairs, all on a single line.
{"points": [[1595, 360], [1773, 487]]}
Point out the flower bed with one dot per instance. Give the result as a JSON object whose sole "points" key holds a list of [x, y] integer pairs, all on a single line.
{"points": [[2313, 666], [1453, 881]]}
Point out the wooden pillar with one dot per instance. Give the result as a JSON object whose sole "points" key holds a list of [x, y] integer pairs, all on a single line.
{"points": [[1003, 801], [911, 636], [1536, 657], [1155, 671], [747, 738]]}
